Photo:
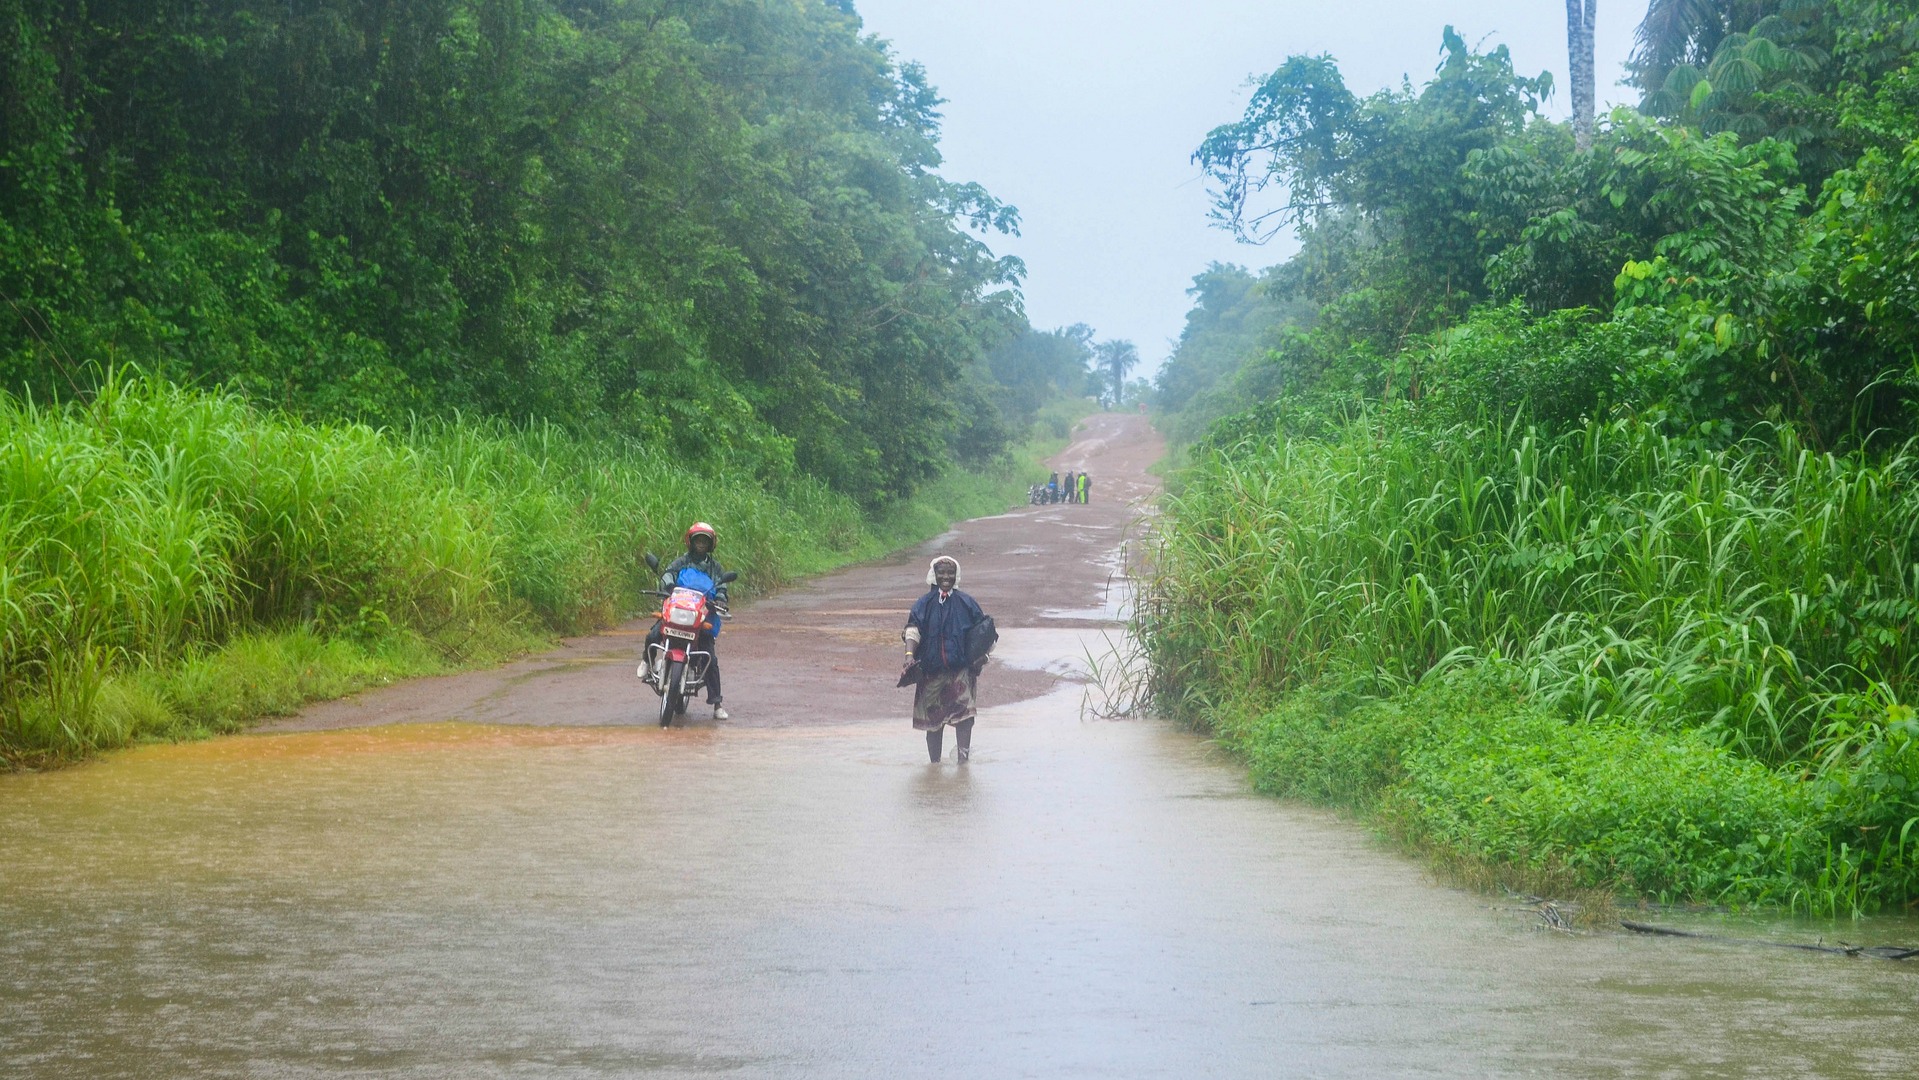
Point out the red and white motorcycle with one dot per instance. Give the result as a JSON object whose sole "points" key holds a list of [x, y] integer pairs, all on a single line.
{"points": [[680, 661]]}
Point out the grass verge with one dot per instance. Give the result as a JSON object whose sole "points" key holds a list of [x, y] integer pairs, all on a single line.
{"points": [[1474, 773], [175, 563]]}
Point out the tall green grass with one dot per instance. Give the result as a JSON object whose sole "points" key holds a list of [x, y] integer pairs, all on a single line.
{"points": [[1759, 597], [175, 560]]}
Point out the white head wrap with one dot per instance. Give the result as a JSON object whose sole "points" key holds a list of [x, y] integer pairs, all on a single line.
{"points": [[931, 581]]}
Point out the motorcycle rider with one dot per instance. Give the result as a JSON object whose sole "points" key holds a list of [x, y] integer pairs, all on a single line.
{"points": [[700, 540]]}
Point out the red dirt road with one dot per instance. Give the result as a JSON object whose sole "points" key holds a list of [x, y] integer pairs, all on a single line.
{"points": [[828, 650]]}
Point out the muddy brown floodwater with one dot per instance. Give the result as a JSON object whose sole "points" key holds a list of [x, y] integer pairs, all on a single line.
{"points": [[513, 874]]}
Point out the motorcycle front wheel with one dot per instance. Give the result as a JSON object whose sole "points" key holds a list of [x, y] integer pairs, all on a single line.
{"points": [[670, 691]]}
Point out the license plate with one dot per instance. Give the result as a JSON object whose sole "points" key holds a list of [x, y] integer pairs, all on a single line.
{"points": [[686, 635]]}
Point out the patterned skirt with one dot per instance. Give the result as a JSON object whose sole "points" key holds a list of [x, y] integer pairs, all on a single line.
{"points": [[946, 698]]}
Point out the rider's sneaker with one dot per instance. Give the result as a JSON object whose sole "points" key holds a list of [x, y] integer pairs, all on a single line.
{"points": [[720, 714], [647, 676]]}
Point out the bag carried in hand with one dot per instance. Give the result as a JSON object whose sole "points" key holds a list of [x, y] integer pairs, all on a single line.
{"points": [[980, 639]]}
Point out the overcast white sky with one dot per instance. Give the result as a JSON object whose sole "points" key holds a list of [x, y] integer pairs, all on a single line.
{"points": [[1085, 115]]}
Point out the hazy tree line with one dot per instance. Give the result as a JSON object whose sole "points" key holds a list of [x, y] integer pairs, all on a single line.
{"points": [[715, 225]]}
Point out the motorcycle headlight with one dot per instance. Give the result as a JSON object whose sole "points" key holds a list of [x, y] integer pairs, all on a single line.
{"points": [[684, 616]]}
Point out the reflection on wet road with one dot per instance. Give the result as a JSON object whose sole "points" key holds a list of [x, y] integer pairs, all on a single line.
{"points": [[1086, 899]]}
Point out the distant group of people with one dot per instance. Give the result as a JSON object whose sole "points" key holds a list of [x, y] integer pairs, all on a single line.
{"points": [[1075, 488]]}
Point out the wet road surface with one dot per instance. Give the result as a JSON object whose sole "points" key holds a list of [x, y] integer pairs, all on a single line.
{"points": [[800, 895], [828, 650]]}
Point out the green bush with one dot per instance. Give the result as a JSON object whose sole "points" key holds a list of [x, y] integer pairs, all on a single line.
{"points": [[1470, 767], [218, 691], [1661, 812]]}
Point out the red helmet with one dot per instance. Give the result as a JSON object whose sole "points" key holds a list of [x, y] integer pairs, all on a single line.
{"points": [[700, 528]]}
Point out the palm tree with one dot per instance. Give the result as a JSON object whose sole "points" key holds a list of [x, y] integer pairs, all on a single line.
{"points": [[1703, 63], [1579, 45], [1116, 358], [1687, 33], [1677, 32]]}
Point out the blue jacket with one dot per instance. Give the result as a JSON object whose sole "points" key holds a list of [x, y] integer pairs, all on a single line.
{"points": [[943, 628], [709, 566], [693, 575]]}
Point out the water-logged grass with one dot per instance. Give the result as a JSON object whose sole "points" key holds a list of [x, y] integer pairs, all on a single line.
{"points": [[176, 562], [1706, 651], [1470, 769]]}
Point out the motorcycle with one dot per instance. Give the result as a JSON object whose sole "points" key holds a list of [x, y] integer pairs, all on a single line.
{"points": [[677, 665]]}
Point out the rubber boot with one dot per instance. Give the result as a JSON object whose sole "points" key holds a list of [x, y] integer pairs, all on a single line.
{"points": [[933, 744], [963, 737]]}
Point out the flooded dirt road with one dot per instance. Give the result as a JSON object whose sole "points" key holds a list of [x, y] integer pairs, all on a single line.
{"points": [[514, 875]]}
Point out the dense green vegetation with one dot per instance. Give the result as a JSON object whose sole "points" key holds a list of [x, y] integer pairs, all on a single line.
{"points": [[718, 225], [1556, 507], [478, 298]]}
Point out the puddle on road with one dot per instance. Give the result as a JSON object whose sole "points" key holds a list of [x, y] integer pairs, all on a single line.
{"points": [[1116, 595], [1116, 606], [1098, 899], [1059, 651]]}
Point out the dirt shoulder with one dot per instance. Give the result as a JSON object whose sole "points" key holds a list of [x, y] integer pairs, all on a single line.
{"points": [[827, 650]]}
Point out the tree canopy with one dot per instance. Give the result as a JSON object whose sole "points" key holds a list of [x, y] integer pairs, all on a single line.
{"points": [[1459, 253], [720, 224]]}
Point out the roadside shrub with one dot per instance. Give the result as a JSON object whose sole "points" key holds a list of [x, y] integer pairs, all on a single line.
{"points": [[1665, 813], [1472, 767], [1327, 745]]}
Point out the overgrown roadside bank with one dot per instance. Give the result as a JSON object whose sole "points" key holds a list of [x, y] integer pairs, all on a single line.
{"points": [[176, 563], [1609, 658]]}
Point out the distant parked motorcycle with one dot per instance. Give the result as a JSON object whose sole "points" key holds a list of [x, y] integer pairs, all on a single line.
{"points": [[680, 661]]}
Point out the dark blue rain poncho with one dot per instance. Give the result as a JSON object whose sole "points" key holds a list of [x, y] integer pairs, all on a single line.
{"points": [[943, 623]]}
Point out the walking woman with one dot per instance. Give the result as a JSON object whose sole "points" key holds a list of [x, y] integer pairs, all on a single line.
{"points": [[935, 639]]}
